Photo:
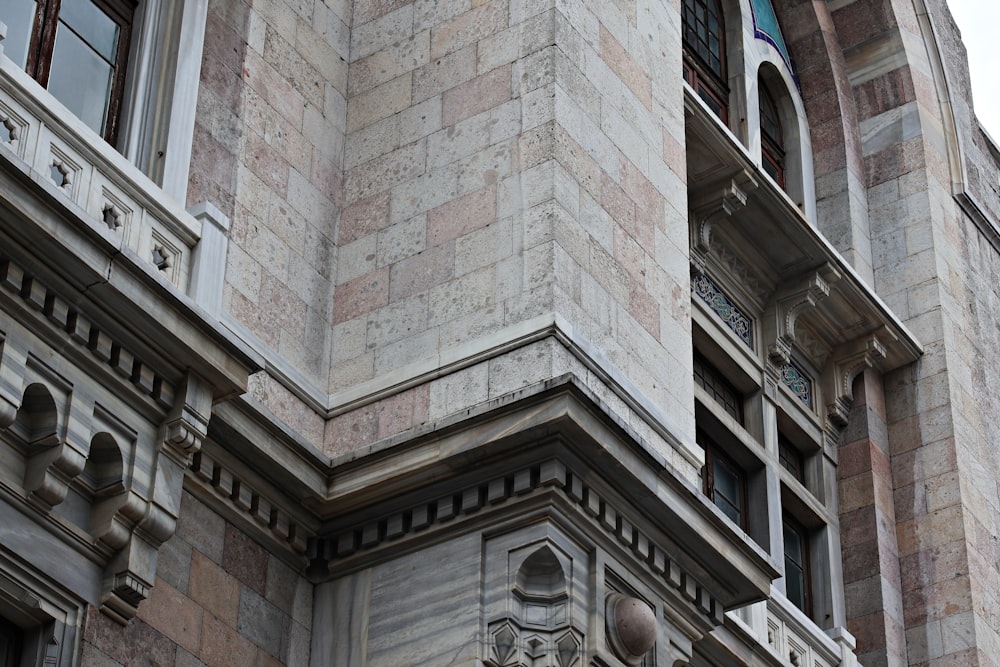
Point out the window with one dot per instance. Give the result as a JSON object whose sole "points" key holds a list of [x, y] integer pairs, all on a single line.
{"points": [[790, 458], [705, 53], [133, 72], [724, 483], [712, 381], [78, 50], [772, 145], [796, 565], [10, 644]]}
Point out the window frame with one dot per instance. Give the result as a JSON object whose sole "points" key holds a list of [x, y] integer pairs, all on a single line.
{"points": [[804, 568], [709, 378], [772, 148], [712, 87], [714, 455], [791, 458], [44, 29]]}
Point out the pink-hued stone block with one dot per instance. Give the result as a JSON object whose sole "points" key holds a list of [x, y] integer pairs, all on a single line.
{"points": [[245, 559]]}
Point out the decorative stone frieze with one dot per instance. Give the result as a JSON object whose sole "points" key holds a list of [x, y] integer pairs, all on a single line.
{"points": [[269, 516], [93, 178], [550, 475]]}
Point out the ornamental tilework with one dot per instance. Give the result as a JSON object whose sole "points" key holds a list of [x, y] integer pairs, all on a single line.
{"points": [[798, 382], [731, 315], [766, 28]]}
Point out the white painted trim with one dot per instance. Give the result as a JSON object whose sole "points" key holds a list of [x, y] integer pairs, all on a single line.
{"points": [[162, 91], [184, 102], [208, 263]]}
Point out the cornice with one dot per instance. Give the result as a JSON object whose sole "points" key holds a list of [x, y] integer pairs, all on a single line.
{"points": [[551, 483]]}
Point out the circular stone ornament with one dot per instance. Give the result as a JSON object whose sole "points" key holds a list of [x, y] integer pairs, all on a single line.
{"points": [[631, 627]]}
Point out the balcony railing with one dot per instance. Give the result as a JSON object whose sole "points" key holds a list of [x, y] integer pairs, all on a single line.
{"points": [[41, 137], [792, 639]]}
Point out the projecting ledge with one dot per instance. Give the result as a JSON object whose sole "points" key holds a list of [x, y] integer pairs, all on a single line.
{"points": [[741, 219], [558, 448]]}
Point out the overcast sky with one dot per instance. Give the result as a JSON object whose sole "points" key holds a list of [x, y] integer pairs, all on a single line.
{"points": [[978, 20]]}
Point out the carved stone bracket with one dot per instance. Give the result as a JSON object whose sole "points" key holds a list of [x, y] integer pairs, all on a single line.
{"points": [[48, 474], [845, 364], [187, 424], [732, 198], [787, 305], [138, 525], [12, 363]]}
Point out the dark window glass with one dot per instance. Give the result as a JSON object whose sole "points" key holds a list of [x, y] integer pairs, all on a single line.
{"points": [[10, 644], [723, 481], [771, 138], [78, 49], [703, 33], [790, 457], [796, 565], [712, 381]]}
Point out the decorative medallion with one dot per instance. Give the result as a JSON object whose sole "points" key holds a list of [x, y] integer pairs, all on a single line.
{"points": [[729, 312]]}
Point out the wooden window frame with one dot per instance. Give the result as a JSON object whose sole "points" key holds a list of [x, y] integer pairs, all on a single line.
{"points": [[711, 86], [805, 566], [715, 455], [772, 148], [715, 383], [43, 38], [790, 458]]}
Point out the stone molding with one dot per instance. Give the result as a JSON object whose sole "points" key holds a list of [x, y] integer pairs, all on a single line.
{"points": [[163, 407], [551, 475], [273, 522], [87, 336]]}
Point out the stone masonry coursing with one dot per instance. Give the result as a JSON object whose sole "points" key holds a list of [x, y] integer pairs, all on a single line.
{"points": [[464, 231]]}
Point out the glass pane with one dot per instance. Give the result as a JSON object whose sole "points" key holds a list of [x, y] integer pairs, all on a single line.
{"points": [[793, 545], [19, 16], [728, 509], [92, 24], [80, 79], [725, 481], [795, 587]]}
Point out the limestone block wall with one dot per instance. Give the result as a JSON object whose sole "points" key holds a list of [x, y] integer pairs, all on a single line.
{"points": [[506, 161], [267, 151], [219, 600], [935, 269]]}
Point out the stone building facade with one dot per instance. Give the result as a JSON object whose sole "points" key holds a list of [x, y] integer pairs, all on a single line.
{"points": [[496, 332]]}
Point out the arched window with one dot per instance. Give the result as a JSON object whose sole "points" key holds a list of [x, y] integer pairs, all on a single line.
{"points": [[705, 53], [772, 144]]}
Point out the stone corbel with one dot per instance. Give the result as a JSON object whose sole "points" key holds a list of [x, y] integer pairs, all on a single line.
{"points": [[138, 527], [187, 424], [845, 364], [788, 305], [49, 472], [12, 367], [732, 198]]}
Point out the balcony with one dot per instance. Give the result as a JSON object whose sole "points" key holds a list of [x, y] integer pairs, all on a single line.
{"points": [[43, 143]]}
